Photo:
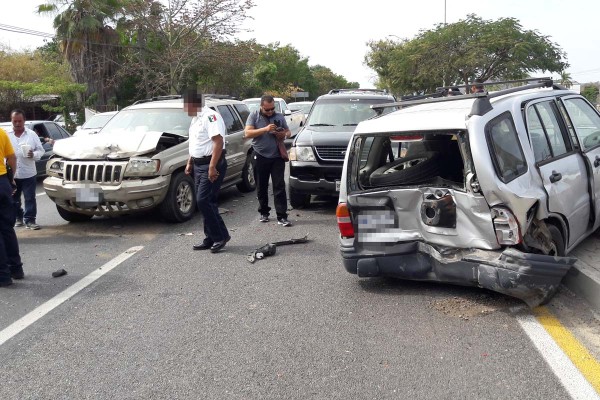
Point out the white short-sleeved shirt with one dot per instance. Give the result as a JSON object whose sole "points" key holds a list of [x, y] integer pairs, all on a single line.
{"points": [[207, 124]]}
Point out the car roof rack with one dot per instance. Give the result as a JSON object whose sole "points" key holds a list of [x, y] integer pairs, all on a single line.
{"points": [[337, 91], [157, 98], [481, 105]]}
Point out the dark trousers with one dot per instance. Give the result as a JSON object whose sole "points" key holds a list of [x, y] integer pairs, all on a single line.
{"points": [[206, 199], [26, 187], [10, 260], [275, 169]]}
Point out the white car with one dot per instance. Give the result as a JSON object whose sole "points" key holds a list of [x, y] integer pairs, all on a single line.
{"points": [[94, 124]]}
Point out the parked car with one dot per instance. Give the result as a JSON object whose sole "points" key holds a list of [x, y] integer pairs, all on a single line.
{"points": [[60, 119], [303, 106], [487, 189], [317, 153], [294, 119], [94, 124], [137, 160], [44, 129]]}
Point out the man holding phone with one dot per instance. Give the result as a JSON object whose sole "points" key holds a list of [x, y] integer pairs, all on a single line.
{"points": [[266, 127]]}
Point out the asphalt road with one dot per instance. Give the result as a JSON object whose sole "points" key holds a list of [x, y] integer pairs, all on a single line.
{"points": [[172, 323]]}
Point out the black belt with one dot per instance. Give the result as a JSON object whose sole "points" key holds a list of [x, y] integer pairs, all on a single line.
{"points": [[206, 159]]}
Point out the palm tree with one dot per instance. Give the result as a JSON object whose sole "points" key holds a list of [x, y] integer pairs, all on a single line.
{"points": [[88, 42], [566, 79]]}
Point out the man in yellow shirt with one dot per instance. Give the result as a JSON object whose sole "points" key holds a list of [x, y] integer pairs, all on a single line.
{"points": [[11, 266]]}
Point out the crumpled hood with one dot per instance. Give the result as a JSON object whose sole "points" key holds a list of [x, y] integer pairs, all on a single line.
{"points": [[108, 145]]}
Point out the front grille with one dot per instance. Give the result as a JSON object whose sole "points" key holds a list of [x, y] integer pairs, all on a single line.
{"points": [[331, 153], [104, 172]]}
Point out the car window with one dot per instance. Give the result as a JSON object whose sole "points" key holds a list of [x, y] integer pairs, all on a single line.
{"points": [[545, 131], [53, 130], [243, 110], [585, 121], [342, 112], [505, 149], [283, 106], [172, 120], [232, 123]]}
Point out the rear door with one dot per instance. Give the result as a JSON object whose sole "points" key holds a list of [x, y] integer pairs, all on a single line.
{"points": [[234, 138], [584, 122], [561, 167]]}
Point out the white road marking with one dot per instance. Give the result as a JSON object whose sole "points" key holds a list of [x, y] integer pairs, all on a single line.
{"points": [[566, 372], [28, 319]]}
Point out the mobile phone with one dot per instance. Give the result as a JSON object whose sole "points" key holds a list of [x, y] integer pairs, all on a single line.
{"points": [[279, 129]]}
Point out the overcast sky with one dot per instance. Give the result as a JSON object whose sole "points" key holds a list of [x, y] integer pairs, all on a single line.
{"points": [[334, 33]]}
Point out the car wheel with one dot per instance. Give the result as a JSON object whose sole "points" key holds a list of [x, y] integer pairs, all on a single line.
{"points": [[299, 200], [72, 216], [179, 204], [406, 170], [558, 243], [248, 182]]}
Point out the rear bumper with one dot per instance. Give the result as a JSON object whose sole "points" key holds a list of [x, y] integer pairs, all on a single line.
{"points": [[532, 278]]}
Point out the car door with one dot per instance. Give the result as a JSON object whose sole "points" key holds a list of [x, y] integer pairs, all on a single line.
{"points": [[234, 139], [583, 121], [561, 167]]}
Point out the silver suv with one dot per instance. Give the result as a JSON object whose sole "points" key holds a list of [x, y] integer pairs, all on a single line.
{"points": [[137, 161], [490, 189]]}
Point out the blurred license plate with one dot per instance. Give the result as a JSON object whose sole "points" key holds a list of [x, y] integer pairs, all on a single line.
{"points": [[88, 195], [376, 219], [337, 185]]}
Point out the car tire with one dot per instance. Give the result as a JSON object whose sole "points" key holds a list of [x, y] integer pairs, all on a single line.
{"points": [[557, 241], [248, 182], [299, 200], [179, 204], [406, 170], [72, 216]]}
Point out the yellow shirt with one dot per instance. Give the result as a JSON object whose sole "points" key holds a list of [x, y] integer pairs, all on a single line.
{"points": [[6, 150]]}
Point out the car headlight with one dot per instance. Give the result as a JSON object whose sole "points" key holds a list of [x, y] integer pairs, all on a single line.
{"points": [[302, 153], [55, 167], [142, 167]]}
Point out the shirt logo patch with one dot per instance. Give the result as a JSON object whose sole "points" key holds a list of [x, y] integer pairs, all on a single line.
{"points": [[212, 118]]}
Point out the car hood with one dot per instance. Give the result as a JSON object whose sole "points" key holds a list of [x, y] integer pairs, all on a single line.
{"points": [[325, 136], [108, 145]]}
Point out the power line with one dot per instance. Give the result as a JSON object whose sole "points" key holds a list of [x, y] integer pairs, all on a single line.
{"points": [[25, 31]]}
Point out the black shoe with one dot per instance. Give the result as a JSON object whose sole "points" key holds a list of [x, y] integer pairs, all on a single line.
{"points": [[264, 218], [218, 246], [284, 222], [17, 274], [6, 282], [205, 245]]}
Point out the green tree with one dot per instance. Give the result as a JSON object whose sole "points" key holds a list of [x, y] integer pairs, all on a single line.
{"points": [[590, 92], [88, 41], [326, 80], [461, 52], [566, 79]]}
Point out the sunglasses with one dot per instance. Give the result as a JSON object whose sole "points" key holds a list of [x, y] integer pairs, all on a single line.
{"points": [[268, 109]]}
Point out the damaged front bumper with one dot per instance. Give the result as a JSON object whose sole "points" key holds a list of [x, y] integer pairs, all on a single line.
{"points": [[533, 278]]}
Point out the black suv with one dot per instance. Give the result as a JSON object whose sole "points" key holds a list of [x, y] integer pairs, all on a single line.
{"points": [[318, 152]]}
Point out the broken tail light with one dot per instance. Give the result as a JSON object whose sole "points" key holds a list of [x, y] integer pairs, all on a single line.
{"points": [[506, 226], [344, 221]]}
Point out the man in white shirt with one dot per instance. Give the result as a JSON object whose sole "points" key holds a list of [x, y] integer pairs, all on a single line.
{"points": [[28, 149], [208, 164]]}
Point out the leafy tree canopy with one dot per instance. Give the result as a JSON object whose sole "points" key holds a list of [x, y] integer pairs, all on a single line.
{"points": [[590, 92], [461, 52]]}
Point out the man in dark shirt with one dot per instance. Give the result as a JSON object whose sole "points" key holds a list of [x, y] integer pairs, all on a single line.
{"points": [[266, 127]]}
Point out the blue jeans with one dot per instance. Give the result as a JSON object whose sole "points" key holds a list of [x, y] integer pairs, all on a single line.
{"points": [[27, 188], [206, 199], [10, 260]]}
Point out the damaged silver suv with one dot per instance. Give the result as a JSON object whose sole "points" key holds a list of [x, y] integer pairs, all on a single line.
{"points": [[489, 189], [137, 161]]}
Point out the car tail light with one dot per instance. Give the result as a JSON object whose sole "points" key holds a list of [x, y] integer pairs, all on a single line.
{"points": [[344, 221], [506, 226]]}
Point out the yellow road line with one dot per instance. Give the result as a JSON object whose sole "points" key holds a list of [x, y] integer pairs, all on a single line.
{"points": [[577, 353]]}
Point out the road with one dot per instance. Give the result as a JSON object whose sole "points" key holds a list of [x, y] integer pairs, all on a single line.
{"points": [[172, 323]]}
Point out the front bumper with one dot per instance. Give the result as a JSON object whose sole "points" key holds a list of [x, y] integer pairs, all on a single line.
{"points": [[532, 278], [314, 178], [127, 197]]}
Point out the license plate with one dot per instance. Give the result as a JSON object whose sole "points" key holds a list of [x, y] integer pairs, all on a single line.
{"points": [[88, 195], [337, 185], [376, 219]]}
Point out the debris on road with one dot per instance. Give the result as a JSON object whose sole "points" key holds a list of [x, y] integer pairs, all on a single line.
{"points": [[270, 249], [58, 273]]}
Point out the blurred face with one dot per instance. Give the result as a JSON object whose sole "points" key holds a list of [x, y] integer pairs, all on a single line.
{"points": [[192, 103], [268, 108], [18, 122]]}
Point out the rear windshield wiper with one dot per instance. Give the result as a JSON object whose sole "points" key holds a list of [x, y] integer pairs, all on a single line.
{"points": [[321, 125]]}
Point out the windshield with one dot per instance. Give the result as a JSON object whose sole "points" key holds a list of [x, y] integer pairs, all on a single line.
{"points": [[343, 112], [305, 108], [97, 121], [172, 120]]}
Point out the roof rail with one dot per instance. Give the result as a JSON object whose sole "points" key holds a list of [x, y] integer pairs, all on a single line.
{"points": [[336, 91], [481, 105], [538, 80], [157, 98]]}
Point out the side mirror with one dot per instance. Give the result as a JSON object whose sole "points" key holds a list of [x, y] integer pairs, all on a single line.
{"points": [[287, 112]]}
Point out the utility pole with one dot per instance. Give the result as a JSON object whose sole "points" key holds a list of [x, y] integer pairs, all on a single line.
{"points": [[444, 12]]}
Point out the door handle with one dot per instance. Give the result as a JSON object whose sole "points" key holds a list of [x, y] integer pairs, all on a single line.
{"points": [[555, 177], [597, 162]]}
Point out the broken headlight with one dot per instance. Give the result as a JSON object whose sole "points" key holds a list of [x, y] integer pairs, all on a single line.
{"points": [[55, 168], [142, 167]]}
